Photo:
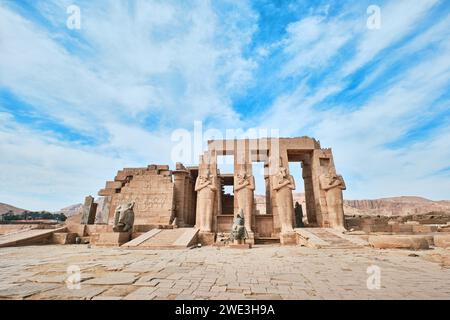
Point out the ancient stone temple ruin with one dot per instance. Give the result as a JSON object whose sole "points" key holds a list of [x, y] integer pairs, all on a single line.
{"points": [[191, 202]]}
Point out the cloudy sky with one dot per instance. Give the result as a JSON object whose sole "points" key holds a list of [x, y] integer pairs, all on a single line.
{"points": [[76, 105]]}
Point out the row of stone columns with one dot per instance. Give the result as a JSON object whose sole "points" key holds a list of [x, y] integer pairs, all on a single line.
{"points": [[323, 190]]}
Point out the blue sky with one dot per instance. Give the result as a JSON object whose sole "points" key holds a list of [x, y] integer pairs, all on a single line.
{"points": [[77, 105]]}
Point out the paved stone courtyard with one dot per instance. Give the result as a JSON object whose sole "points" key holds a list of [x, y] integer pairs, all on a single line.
{"points": [[264, 272]]}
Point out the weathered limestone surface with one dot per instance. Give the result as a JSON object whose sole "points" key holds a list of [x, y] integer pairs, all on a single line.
{"points": [[442, 240], [398, 241], [265, 272], [103, 208], [88, 211]]}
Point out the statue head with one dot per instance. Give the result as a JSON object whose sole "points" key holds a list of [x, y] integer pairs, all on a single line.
{"points": [[205, 176], [283, 172], [242, 174]]}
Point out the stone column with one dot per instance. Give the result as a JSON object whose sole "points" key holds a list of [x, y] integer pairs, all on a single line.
{"points": [[89, 209], [309, 192], [319, 195], [179, 179], [103, 207]]}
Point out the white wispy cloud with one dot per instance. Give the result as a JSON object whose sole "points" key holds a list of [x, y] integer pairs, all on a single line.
{"points": [[164, 63], [361, 136], [138, 70]]}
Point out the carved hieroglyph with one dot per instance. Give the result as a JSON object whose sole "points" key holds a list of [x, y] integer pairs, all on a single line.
{"points": [[333, 185], [283, 184], [244, 186], [206, 195]]}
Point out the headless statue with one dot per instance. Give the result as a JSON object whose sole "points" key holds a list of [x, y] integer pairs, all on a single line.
{"points": [[333, 185], [124, 217], [298, 215], [238, 231]]}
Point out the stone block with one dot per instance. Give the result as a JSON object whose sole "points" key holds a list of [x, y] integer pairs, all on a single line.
{"points": [[288, 238], [206, 238], [63, 238], [106, 192], [442, 240], [413, 242], [112, 239], [80, 230], [113, 184], [88, 211], [402, 228], [423, 228], [103, 207]]}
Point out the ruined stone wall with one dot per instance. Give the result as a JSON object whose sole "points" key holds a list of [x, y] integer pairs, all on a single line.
{"points": [[152, 190]]}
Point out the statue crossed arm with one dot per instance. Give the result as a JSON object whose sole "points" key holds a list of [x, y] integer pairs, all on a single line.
{"points": [[288, 181], [203, 182], [334, 181], [248, 182]]}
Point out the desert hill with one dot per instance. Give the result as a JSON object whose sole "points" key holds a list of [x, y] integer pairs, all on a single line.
{"points": [[4, 208], [394, 206]]}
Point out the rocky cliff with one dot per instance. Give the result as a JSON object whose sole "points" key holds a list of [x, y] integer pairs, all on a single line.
{"points": [[395, 206]]}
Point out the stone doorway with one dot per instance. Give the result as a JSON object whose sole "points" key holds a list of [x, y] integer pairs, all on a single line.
{"points": [[304, 183]]}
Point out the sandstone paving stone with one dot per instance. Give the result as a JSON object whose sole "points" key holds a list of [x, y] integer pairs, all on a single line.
{"points": [[57, 278], [107, 298], [118, 278], [118, 291], [143, 293], [302, 273], [149, 281], [21, 291], [85, 292]]}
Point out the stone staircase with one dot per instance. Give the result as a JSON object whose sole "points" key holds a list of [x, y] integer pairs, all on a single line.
{"points": [[177, 238], [326, 238]]}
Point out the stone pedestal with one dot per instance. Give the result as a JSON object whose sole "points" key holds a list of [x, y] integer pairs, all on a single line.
{"points": [[288, 238], [251, 238], [206, 238], [240, 246], [112, 239]]}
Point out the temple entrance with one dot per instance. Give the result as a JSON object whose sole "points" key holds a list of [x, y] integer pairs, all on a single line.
{"points": [[298, 195], [300, 167], [226, 200], [262, 213]]}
